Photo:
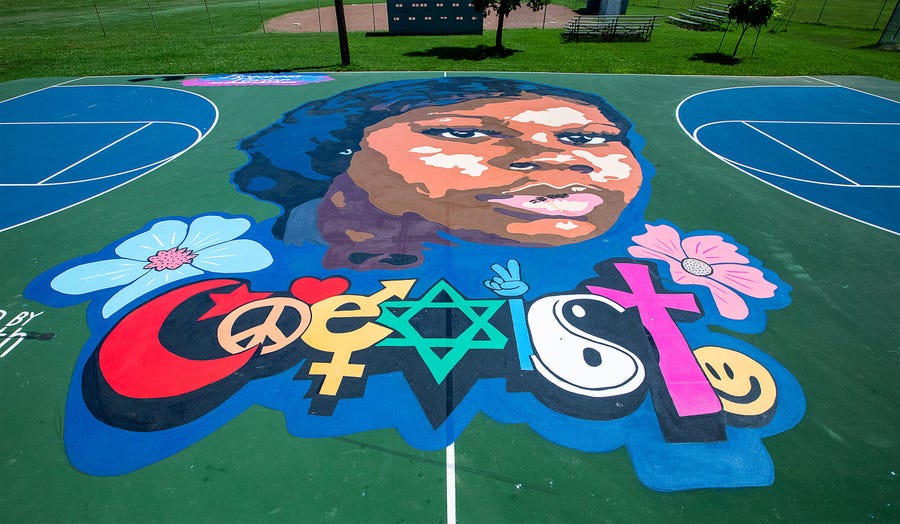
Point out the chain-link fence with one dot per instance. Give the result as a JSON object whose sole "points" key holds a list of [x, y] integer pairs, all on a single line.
{"points": [[87, 18]]}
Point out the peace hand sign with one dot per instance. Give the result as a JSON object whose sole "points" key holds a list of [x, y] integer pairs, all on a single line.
{"points": [[508, 282]]}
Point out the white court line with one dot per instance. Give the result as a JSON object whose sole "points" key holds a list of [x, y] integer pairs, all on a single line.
{"points": [[99, 122], [96, 178], [95, 153], [200, 137], [39, 90], [451, 484], [43, 183], [854, 89], [804, 155], [696, 137], [746, 168], [803, 122]]}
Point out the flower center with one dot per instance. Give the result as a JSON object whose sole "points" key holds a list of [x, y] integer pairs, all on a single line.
{"points": [[696, 267], [172, 258]]}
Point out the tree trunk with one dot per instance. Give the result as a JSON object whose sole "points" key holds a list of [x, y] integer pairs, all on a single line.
{"points": [[743, 30], [498, 42], [342, 32]]}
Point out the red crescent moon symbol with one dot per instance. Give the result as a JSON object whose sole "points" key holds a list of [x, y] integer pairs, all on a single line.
{"points": [[135, 364]]}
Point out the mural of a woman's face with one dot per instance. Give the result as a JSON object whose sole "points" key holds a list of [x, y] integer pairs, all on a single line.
{"points": [[533, 169]]}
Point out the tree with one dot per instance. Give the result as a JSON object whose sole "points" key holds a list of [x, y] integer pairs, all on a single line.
{"points": [[343, 42], [751, 13], [504, 8]]}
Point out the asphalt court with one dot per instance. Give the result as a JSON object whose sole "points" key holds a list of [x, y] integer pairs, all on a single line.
{"points": [[94, 138], [206, 287], [801, 138]]}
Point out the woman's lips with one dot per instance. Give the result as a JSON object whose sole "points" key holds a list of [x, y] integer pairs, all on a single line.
{"points": [[561, 205]]}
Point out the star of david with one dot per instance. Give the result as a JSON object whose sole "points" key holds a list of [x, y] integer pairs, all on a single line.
{"points": [[479, 335]]}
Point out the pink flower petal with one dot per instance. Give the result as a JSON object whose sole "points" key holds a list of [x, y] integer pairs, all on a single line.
{"points": [[643, 252], [730, 304], [682, 277], [712, 249], [745, 279], [663, 239]]}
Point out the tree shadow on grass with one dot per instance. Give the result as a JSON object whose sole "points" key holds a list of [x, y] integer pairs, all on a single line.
{"points": [[481, 52], [715, 58]]}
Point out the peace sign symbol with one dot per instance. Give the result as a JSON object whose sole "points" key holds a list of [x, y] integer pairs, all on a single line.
{"points": [[267, 334]]}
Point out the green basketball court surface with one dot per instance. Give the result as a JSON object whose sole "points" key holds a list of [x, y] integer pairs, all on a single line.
{"points": [[442, 297]]}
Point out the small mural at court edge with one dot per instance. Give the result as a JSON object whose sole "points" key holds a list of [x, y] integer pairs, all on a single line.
{"points": [[446, 247]]}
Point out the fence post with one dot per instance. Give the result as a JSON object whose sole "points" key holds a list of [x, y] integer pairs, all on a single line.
{"points": [[208, 18], [262, 21], [877, 18], [155, 25], [319, 13], [100, 19], [818, 20]]}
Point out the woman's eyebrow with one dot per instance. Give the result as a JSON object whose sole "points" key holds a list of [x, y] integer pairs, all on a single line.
{"points": [[596, 127], [442, 116]]}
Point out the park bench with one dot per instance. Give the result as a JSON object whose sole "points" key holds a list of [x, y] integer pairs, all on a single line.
{"points": [[709, 17], [609, 27]]}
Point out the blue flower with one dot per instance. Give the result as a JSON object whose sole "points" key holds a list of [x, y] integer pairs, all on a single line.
{"points": [[170, 251]]}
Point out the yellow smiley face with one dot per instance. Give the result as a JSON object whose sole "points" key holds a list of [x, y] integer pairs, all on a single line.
{"points": [[744, 386]]}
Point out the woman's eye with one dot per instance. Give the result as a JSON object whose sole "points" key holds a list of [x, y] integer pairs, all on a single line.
{"points": [[581, 139], [458, 133]]}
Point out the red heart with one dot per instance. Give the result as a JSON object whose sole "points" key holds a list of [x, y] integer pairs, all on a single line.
{"points": [[312, 290]]}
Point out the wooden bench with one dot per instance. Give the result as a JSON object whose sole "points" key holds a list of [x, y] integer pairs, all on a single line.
{"points": [[609, 27]]}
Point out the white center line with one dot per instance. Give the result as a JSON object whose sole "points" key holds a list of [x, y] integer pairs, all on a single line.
{"points": [[451, 484]]}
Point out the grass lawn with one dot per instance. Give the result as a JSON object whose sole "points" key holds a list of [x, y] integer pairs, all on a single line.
{"points": [[57, 38]]}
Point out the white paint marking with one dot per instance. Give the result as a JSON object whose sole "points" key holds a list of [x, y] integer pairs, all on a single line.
{"points": [[470, 164], [425, 150], [857, 90], [611, 166], [62, 86], [553, 117], [95, 153], [745, 170], [797, 151], [451, 484]]}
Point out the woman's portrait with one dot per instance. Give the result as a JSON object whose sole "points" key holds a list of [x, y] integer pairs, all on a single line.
{"points": [[376, 172]]}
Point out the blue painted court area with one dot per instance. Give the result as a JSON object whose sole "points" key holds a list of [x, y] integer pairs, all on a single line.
{"points": [[832, 146], [64, 145]]}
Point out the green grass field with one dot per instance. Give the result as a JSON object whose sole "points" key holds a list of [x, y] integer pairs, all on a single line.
{"points": [[65, 38]]}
